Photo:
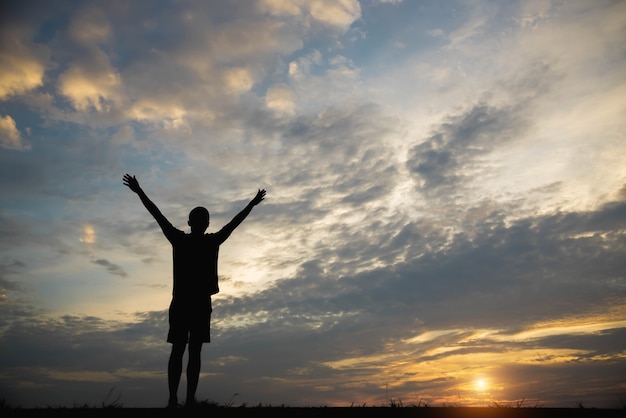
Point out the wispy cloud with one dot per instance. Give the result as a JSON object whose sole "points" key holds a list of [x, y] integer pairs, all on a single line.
{"points": [[111, 267]]}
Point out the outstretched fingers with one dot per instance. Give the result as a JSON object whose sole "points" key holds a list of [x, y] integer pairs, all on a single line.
{"points": [[131, 182], [259, 196]]}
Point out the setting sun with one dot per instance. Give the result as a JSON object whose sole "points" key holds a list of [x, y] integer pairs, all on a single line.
{"points": [[481, 384]]}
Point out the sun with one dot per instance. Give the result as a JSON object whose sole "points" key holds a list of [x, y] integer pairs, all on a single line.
{"points": [[481, 384]]}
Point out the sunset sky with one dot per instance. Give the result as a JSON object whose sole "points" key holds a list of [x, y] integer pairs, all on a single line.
{"points": [[445, 219]]}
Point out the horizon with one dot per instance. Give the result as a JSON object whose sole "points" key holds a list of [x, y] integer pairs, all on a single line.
{"points": [[445, 218]]}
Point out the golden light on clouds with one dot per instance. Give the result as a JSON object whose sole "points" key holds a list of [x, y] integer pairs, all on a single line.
{"points": [[331, 12], [86, 89], [20, 71], [154, 109], [10, 136], [468, 357], [336, 13]]}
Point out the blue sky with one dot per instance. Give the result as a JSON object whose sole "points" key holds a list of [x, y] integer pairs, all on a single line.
{"points": [[445, 218]]}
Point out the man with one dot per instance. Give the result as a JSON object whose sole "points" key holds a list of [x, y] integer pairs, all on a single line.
{"points": [[195, 280]]}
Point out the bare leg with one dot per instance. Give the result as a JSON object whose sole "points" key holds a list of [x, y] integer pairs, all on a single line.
{"points": [[174, 371], [193, 371]]}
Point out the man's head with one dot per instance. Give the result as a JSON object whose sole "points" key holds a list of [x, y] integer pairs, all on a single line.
{"points": [[198, 220]]}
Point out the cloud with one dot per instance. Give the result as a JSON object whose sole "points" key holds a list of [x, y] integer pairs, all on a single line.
{"points": [[340, 14], [86, 89], [8, 285], [465, 274], [94, 344], [533, 13], [10, 137], [16, 231], [22, 62], [90, 26], [280, 99], [486, 274], [472, 304], [466, 149], [337, 13], [114, 269], [448, 156]]}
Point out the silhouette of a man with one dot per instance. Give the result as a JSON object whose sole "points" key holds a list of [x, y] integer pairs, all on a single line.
{"points": [[195, 280]]}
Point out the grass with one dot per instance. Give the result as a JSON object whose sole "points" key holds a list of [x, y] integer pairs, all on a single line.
{"points": [[516, 404], [392, 408]]}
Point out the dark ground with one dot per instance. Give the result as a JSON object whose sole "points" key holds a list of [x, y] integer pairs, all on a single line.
{"points": [[323, 412]]}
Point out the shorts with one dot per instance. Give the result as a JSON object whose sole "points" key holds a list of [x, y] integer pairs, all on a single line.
{"points": [[190, 321]]}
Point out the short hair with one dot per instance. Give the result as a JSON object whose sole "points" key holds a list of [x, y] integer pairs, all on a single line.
{"points": [[199, 215]]}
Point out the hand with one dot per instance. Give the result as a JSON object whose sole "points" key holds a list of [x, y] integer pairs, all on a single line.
{"points": [[132, 183], [259, 197]]}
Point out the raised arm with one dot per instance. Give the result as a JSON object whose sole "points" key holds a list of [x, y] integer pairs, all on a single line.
{"points": [[238, 219], [133, 184]]}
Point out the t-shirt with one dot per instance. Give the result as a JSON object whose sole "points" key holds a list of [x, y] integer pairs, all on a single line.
{"points": [[195, 262]]}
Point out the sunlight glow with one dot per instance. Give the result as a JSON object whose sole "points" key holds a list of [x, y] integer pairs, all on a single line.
{"points": [[481, 384]]}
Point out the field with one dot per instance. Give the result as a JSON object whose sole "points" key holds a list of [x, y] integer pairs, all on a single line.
{"points": [[323, 412]]}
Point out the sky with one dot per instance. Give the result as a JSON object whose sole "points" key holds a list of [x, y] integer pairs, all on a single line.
{"points": [[445, 219]]}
